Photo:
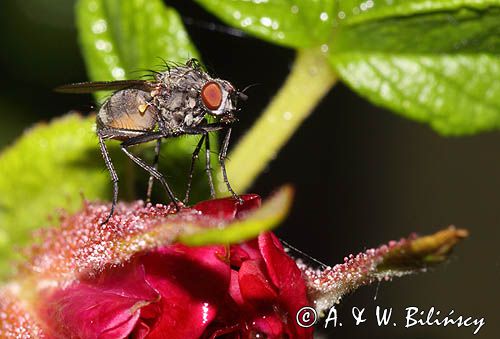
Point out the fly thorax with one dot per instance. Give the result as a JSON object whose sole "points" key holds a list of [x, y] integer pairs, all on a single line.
{"points": [[191, 102], [188, 120], [176, 101]]}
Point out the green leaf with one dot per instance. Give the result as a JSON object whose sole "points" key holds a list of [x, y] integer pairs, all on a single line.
{"points": [[356, 11], [120, 39], [292, 23], [50, 167], [432, 61], [452, 93], [268, 216]]}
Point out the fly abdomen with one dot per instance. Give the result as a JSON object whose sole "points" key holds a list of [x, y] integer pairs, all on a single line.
{"points": [[128, 109]]}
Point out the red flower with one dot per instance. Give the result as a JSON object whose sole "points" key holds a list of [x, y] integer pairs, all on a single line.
{"points": [[122, 280], [176, 291]]}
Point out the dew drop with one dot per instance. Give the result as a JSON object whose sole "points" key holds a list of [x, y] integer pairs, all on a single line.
{"points": [[266, 21], [99, 27], [287, 115], [103, 45], [92, 6], [246, 22], [118, 73]]}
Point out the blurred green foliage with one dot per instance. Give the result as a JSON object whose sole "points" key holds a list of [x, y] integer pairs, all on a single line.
{"points": [[125, 39], [50, 167], [433, 61], [295, 23]]}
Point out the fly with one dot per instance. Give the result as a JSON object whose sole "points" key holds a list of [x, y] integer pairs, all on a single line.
{"points": [[175, 102]]}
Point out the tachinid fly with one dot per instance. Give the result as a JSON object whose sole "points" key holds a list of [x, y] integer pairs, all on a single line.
{"points": [[176, 102]]}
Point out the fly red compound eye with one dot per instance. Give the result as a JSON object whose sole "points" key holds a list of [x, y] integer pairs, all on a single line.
{"points": [[211, 94]]}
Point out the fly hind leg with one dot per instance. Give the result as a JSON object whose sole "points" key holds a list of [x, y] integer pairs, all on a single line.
{"points": [[114, 177], [155, 166]]}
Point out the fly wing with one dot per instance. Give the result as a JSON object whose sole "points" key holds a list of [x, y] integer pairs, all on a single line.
{"points": [[96, 86]]}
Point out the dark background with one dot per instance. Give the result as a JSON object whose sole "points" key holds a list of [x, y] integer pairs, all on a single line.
{"points": [[363, 175]]}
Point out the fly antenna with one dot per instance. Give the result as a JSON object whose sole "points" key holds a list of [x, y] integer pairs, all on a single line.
{"points": [[249, 86]]}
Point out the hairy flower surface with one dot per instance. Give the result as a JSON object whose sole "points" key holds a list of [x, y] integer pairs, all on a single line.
{"points": [[116, 282], [136, 277]]}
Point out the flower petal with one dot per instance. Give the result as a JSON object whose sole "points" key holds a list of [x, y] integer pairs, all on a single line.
{"points": [[228, 208], [107, 307], [287, 277], [248, 225], [234, 289], [192, 282], [270, 325], [246, 251], [254, 285]]}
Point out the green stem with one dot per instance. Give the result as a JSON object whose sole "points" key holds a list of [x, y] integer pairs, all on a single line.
{"points": [[310, 79]]}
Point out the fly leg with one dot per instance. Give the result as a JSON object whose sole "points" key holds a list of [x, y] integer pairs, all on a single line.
{"points": [[222, 161], [208, 166], [155, 166], [191, 170], [114, 177], [150, 169]]}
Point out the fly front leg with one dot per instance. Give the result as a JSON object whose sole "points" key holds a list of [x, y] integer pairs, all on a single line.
{"points": [[222, 161], [208, 166], [191, 170]]}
